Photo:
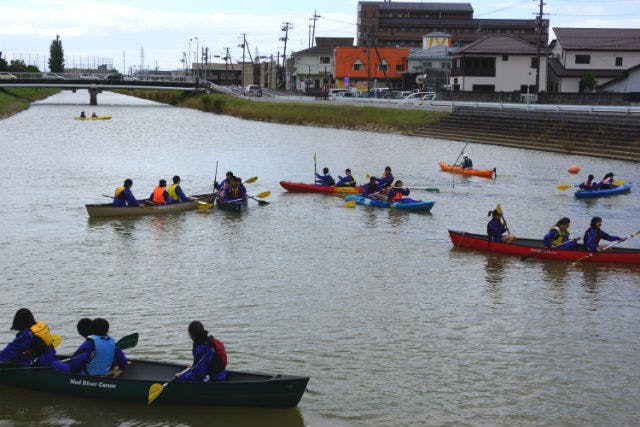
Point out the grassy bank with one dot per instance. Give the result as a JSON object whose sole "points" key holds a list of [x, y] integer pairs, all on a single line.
{"points": [[377, 119], [14, 100]]}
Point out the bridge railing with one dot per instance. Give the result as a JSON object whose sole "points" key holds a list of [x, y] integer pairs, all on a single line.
{"points": [[101, 76]]}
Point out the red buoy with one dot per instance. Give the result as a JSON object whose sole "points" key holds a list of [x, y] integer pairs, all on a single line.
{"points": [[574, 169]]}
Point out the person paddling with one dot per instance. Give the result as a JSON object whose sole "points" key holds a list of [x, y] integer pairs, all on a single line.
{"points": [[209, 356], [466, 163], [325, 178], [175, 191], [124, 196], [371, 189], [607, 182], [33, 344], [558, 236], [387, 178], [398, 192], [347, 180], [496, 228], [160, 195], [594, 234], [589, 184]]}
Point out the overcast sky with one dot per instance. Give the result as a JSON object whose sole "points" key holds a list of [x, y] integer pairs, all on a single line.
{"points": [[119, 29]]}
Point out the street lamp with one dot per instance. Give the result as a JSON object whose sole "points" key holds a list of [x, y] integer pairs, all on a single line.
{"points": [[190, 68]]}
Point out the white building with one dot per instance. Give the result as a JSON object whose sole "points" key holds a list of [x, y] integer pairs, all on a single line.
{"points": [[314, 68], [498, 63], [606, 53]]}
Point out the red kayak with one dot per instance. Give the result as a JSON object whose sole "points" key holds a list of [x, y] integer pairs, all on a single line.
{"points": [[313, 188], [535, 249]]}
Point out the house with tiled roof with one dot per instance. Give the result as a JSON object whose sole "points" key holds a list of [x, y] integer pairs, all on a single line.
{"points": [[609, 54], [498, 63]]}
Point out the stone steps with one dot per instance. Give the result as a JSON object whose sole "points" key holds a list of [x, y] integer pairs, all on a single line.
{"points": [[609, 136]]}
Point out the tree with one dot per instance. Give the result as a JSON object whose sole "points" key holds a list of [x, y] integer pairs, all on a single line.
{"points": [[56, 56], [588, 83], [19, 66], [3, 63]]}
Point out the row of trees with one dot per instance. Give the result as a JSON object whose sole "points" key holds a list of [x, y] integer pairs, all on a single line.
{"points": [[56, 61]]}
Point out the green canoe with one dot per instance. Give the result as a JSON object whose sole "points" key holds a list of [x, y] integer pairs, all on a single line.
{"points": [[240, 388]]}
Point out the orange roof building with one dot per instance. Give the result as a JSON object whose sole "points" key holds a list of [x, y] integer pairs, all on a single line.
{"points": [[352, 67]]}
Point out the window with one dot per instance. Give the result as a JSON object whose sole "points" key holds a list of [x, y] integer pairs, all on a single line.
{"points": [[399, 68], [427, 64], [325, 60], [505, 57], [484, 88], [583, 59], [618, 61], [534, 62], [357, 66], [383, 66]]}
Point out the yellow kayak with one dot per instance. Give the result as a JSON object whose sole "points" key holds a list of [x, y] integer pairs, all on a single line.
{"points": [[94, 118]]}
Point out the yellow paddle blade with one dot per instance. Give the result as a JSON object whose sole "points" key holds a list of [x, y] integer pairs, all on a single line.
{"points": [[563, 187], [203, 206], [263, 194], [314, 157], [350, 204], [250, 180], [154, 391], [367, 175], [499, 209], [57, 339], [619, 182]]}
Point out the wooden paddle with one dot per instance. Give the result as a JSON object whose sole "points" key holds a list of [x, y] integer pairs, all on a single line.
{"points": [[604, 249], [563, 187]]}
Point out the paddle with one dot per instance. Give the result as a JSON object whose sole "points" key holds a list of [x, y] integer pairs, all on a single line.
{"points": [[428, 189], [453, 177], [504, 221], [203, 206], [534, 254], [250, 180], [215, 177], [605, 248], [142, 202], [128, 341], [350, 203], [315, 168], [261, 195], [156, 388], [57, 339], [563, 187]]}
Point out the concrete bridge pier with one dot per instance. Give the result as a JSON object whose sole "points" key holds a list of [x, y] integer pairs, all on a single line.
{"points": [[93, 95]]}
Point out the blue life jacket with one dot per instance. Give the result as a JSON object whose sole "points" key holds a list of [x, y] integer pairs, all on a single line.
{"points": [[105, 348]]}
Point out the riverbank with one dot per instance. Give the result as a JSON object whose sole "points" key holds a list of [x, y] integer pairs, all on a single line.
{"points": [[375, 119], [14, 100]]}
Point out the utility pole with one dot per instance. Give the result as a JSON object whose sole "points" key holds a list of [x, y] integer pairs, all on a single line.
{"points": [[243, 46], [286, 26], [313, 33], [539, 43]]}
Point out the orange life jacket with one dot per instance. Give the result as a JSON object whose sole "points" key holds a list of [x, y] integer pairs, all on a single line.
{"points": [[158, 194], [397, 195], [234, 192]]}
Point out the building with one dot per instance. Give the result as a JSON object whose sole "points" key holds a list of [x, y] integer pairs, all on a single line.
{"points": [[498, 63], [403, 24], [430, 67], [368, 68], [607, 54], [314, 68]]}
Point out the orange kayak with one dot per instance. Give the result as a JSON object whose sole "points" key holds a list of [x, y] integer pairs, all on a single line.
{"points": [[487, 173]]}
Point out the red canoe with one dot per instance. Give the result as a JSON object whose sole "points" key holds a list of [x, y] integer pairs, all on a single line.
{"points": [[535, 248], [313, 188], [487, 173]]}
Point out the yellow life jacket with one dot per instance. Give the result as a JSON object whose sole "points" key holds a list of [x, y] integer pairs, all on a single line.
{"points": [[119, 191], [41, 330], [560, 239], [172, 191]]}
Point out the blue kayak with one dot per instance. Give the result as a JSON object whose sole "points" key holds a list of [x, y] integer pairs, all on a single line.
{"points": [[624, 188], [419, 205]]}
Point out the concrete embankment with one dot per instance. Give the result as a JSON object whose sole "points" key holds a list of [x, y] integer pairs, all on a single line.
{"points": [[614, 136]]}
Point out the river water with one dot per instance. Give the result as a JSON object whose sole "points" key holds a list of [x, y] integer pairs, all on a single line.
{"points": [[392, 324]]}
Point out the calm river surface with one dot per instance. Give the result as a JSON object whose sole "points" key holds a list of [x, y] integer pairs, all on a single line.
{"points": [[394, 327]]}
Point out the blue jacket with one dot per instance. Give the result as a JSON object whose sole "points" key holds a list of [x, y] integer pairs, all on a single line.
{"points": [[128, 197], [325, 179], [368, 190], [181, 195], [592, 238], [387, 181], [203, 358], [466, 163], [16, 351], [83, 355], [346, 181], [495, 230]]}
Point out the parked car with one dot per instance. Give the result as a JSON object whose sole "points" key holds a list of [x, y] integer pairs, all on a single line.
{"points": [[87, 76], [419, 97], [52, 76], [7, 76], [114, 77], [253, 90]]}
